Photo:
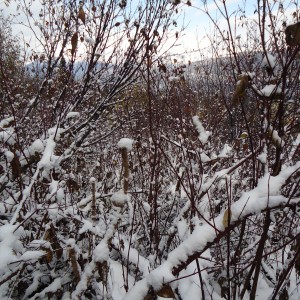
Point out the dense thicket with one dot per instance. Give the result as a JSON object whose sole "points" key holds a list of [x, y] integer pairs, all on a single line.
{"points": [[127, 174]]}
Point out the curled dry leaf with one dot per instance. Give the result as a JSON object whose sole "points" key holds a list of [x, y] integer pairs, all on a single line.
{"points": [[81, 15]]}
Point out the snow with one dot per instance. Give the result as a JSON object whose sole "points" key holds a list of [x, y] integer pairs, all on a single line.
{"points": [[125, 143], [34, 285], [139, 290], [204, 158], [46, 164], [8, 136], [269, 60], [133, 255], [101, 252], [9, 156], [55, 132], [52, 288], [6, 122], [160, 275], [269, 90], [275, 136], [53, 187], [46, 160], [189, 285], [92, 180], [146, 206], [37, 146], [142, 237], [203, 134], [174, 78], [119, 198], [72, 114], [295, 146], [39, 243], [182, 228], [116, 280], [250, 74], [225, 151], [32, 255], [88, 199], [53, 211], [90, 40], [262, 158], [82, 285], [266, 194], [9, 246], [86, 227]]}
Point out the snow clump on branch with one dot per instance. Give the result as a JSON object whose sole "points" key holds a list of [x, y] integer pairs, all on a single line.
{"points": [[203, 134], [125, 143]]}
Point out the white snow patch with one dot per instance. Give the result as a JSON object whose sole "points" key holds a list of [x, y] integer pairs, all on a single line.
{"points": [[204, 158], [9, 244], [90, 40], [174, 78], [37, 147], [119, 197], [133, 256], [55, 132], [116, 280], [101, 252], [275, 136], [270, 89], [125, 143], [203, 134], [92, 180], [269, 61], [51, 288], [32, 255], [8, 136], [6, 122], [9, 156], [262, 158], [72, 114], [39, 243], [225, 151], [183, 228], [146, 206], [53, 211]]}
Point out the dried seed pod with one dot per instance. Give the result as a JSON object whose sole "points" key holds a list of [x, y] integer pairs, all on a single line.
{"points": [[226, 218]]}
